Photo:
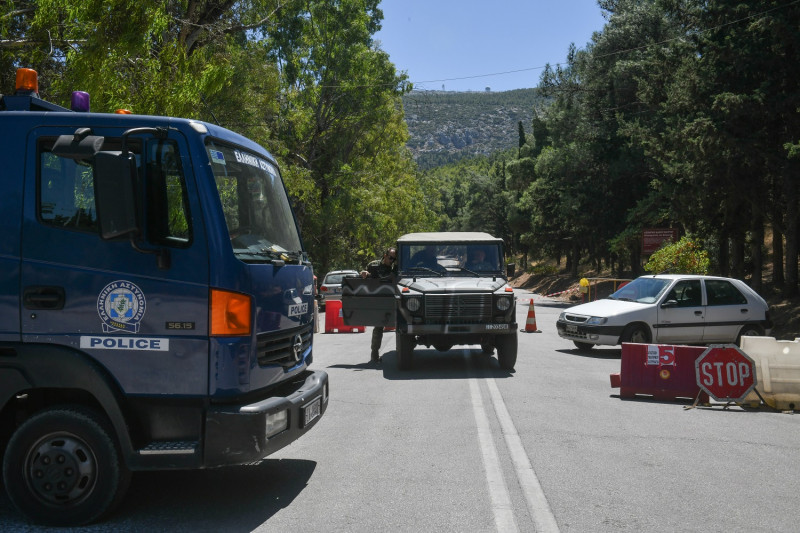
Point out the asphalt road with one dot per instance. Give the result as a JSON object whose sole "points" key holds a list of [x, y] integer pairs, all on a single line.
{"points": [[457, 444]]}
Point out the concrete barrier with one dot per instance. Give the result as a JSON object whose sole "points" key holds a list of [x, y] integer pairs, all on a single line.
{"points": [[777, 365], [334, 323], [659, 372]]}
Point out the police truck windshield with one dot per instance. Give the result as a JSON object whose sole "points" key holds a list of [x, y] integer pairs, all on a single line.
{"points": [[255, 205]]}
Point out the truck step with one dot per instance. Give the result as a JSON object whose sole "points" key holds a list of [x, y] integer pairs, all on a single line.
{"points": [[177, 447]]}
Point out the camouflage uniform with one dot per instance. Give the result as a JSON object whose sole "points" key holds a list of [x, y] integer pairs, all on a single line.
{"points": [[379, 270]]}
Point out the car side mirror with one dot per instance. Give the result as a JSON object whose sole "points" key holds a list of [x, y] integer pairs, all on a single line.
{"points": [[669, 303]]}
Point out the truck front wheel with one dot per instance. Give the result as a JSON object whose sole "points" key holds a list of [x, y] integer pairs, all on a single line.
{"points": [[506, 350], [405, 350], [61, 468]]}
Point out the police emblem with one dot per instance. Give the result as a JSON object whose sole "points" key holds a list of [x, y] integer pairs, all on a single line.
{"points": [[121, 306]]}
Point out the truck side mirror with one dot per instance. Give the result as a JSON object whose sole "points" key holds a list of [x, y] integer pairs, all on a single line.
{"points": [[114, 191]]}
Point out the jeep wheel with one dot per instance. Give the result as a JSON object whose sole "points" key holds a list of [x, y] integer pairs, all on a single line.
{"points": [[506, 350], [62, 468], [405, 350]]}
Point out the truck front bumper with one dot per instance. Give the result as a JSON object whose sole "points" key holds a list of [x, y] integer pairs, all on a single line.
{"points": [[238, 434]]}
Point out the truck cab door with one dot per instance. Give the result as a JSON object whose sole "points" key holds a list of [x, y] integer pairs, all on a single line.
{"points": [[143, 321], [369, 302]]}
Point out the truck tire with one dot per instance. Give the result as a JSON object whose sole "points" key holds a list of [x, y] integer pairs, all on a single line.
{"points": [[506, 350], [61, 468], [405, 351]]}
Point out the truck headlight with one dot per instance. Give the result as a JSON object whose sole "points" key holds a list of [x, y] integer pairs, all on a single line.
{"points": [[503, 303], [413, 304]]}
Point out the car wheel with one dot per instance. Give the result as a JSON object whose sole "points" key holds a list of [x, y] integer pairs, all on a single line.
{"points": [[636, 333], [405, 350], [583, 346], [748, 330], [506, 350], [62, 468], [487, 349], [442, 347]]}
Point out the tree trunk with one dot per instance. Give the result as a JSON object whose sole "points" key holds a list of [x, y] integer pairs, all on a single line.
{"points": [[758, 258], [791, 221], [778, 278], [723, 254]]}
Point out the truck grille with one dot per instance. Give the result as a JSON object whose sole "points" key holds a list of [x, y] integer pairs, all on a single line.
{"points": [[458, 308], [278, 348]]}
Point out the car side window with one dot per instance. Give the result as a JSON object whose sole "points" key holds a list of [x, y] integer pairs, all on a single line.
{"points": [[687, 293], [722, 292]]}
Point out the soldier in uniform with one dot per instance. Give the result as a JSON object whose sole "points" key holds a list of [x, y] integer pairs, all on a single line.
{"points": [[385, 269]]}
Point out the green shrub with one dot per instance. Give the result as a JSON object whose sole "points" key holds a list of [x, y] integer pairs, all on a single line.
{"points": [[682, 257]]}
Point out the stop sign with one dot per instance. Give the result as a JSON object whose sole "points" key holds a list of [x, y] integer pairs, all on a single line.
{"points": [[725, 372]]}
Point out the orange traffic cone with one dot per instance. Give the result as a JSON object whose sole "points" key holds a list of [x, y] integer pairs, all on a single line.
{"points": [[530, 323]]}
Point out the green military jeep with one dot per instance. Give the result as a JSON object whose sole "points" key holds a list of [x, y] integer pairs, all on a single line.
{"points": [[451, 290]]}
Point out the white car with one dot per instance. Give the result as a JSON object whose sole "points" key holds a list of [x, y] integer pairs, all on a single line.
{"points": [[331, 286], [669, 309]]}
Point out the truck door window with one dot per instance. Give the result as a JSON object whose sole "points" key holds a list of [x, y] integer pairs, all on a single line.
{"points": [[167, 206], [66, 193]]}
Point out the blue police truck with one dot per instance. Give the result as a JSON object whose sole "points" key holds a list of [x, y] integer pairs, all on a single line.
{"points": [[156, 304]]}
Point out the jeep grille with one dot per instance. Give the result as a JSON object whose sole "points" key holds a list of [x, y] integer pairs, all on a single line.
{"points": [[458, 308]]}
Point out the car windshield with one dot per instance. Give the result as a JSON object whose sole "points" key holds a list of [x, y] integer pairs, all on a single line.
{"points": [[642, 290], [450, 259], [336, 279], [255, 205]]}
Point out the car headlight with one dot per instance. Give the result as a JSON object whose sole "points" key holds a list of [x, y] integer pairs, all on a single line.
{"points": [[413, 304], [596, 321], [562, 316], [503, 303]]}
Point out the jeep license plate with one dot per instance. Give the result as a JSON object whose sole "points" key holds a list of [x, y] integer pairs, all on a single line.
{"points": [[312, 411]]}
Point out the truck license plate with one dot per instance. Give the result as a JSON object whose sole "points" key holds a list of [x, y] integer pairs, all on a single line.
{"points": [[312, 411]]}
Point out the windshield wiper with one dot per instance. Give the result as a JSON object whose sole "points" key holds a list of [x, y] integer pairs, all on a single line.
{"points": [[432, 271], [272, 256]]}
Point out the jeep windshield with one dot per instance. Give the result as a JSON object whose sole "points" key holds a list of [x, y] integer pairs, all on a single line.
{"points": [[256, 208], [449, 259]]}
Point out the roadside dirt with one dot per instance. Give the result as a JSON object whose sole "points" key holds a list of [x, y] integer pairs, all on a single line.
{"points": [[785, 312]]}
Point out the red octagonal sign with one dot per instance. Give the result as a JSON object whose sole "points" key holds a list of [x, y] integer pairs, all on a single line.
{"points": [[725, 372]]}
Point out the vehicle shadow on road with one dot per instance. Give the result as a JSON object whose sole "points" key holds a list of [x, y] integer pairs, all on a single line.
{"points": [[231, 499], [593, 354], [453, 364]]}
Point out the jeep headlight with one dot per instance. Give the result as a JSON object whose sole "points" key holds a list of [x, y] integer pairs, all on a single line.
{"points": [[596, 321], [413, 304], [503, 303]]}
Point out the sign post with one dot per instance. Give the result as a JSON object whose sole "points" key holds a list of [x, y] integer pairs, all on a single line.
{"points": [[725, 372]]}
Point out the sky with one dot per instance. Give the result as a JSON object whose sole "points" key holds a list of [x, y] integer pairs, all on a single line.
{"points": [[465, 45]]}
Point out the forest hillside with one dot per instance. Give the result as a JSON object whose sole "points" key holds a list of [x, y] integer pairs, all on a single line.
{"points": [[445, 127]]}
